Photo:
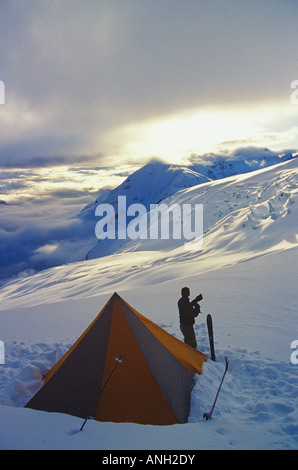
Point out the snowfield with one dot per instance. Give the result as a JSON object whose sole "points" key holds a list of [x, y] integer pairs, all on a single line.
{"points": [[247, 272]]}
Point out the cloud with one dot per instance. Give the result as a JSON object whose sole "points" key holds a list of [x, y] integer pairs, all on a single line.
{"points": [[40, 209], [20, 156], [36, 237], [39, 212], [76, 73]]}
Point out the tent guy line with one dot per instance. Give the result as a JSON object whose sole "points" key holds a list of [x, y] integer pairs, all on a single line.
{"points": [[90, 414]]}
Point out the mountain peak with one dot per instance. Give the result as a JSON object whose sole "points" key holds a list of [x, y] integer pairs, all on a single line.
{"points": [[149, 184]]}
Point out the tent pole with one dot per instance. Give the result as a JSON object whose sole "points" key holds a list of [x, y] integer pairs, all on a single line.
{"points": [[100, 392]]}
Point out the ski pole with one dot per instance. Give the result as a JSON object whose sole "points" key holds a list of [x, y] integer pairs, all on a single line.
{"points": [[209, 415]]}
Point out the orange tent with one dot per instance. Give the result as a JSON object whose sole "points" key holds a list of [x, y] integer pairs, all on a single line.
{"points": [[151, 385]]}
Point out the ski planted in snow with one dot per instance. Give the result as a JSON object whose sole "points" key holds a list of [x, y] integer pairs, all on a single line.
{"points": [[209, 415], [211, 337]]}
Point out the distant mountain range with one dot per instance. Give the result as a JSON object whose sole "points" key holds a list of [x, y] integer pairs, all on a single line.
{"points": [[157, 181]]}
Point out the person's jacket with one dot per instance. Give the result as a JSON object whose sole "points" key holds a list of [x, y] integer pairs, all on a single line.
{"points": [[188, 311]]}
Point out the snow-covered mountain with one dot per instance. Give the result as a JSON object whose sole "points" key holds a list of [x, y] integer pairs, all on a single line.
{"points": [[158, 182], [247, 272], [150, 184], [242, 160]]}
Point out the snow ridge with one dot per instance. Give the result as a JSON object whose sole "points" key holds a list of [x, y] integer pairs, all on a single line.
{"points": [[246, 270]]}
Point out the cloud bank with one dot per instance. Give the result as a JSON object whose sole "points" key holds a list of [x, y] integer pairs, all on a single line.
{"points": [[40, 209], [77, 73]]}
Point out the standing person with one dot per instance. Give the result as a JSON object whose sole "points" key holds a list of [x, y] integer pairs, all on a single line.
{"points": [[188, 311]]}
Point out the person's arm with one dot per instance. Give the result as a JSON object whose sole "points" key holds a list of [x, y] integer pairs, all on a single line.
{"points": [[196, 300], [195, 306]]}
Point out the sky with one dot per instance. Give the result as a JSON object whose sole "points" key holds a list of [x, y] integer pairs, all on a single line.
{"points": [[95, 88], [105, 81]]}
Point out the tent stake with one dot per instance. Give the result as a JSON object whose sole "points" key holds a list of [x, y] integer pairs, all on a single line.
{"points": [[89, 416]]}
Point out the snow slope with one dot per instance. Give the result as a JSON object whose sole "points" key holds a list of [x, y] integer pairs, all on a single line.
{"points": [[241, 160], [247, 272], [240, 213], [157, 182], [148, 185]]}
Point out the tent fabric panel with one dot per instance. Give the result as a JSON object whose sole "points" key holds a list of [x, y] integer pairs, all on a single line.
{"points": [[175, 381], [72, 348], [132, 394], [191, 358], [75, 384]]}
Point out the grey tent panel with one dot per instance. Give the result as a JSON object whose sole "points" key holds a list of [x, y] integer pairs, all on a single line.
{"points": [[76, 383], [173, 379]]}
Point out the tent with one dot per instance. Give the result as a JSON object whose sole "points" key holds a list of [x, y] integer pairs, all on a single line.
{"points": [[151, 384]]}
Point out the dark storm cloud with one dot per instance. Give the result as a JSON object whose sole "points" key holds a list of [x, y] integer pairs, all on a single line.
{"points": [[77, 71]]}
